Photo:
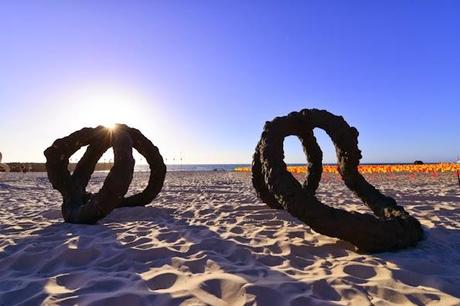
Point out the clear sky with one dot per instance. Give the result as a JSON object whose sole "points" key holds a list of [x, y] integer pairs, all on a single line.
{"points": [[200, 78]]}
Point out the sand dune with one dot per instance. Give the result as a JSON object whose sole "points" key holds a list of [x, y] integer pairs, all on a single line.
{"points": [[208, 240]]}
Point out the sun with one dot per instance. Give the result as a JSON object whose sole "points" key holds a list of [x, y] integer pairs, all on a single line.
{"points": [[107, 107], [110, 108], [110, 125]]}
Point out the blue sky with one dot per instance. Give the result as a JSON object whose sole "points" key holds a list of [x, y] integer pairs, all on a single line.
{"points": [[200, 78]]}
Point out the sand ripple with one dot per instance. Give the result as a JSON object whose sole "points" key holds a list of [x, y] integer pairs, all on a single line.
{"points": [[208, 240]]}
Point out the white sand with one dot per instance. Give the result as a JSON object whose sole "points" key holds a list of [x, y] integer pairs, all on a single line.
{"points": [[207, 239]]}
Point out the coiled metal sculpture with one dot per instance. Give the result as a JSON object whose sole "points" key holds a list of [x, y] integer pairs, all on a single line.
{"points": [[80, 206], [391, 228]]}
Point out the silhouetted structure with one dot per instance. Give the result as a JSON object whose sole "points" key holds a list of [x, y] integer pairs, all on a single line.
{"points": [[80, 206], [392, 229], [41, 167], [3, 167]]}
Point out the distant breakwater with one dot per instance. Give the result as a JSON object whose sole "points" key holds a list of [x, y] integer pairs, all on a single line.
{"points": [[40, 167]]}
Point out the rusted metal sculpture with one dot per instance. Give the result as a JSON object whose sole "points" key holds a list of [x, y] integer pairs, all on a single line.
{"points": [[391, 228], [80, 206]]}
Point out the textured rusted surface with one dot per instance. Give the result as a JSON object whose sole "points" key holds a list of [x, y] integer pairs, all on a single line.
{"points": [[80, 206], [157, 170], [391, 228]]}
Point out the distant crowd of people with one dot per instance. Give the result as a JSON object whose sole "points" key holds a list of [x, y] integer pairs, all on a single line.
{"points": [[17, 167]]}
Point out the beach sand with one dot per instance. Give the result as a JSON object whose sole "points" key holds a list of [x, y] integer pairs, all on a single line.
{"points": [[208, 240]]}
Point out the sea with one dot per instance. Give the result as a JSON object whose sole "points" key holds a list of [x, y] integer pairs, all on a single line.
{"points": [[194, 167], [199, 167]]}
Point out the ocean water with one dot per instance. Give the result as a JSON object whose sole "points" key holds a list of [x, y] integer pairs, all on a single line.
{"points": [[195, 167]]}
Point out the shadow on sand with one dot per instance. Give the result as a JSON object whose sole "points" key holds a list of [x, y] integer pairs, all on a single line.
{"points": [[113, 259]]}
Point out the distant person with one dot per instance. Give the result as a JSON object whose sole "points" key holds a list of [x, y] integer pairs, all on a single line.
{"points": [[3, 167]]}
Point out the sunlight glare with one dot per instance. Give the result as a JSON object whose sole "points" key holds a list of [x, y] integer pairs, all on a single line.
{"points": [[107, 106]]}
